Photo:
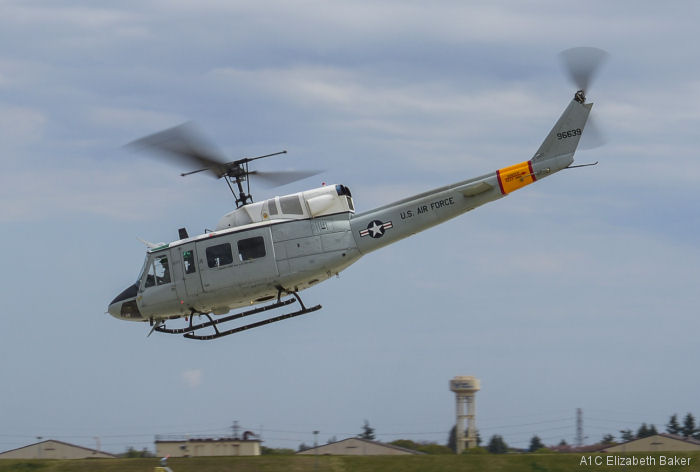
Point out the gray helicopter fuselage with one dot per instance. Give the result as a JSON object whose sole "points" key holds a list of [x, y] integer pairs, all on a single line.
{"points": [[290, 242], [293, 242]]}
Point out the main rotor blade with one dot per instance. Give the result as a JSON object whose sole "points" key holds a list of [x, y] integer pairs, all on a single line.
{"points": [[582, 64], [280, 178], [187, 145]]}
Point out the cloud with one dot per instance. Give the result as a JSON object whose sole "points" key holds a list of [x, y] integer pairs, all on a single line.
{"points": [[406, 118], [82, 17], [19, 125], [192, 377], [381, 22], [132, 191], [133, 118], [369, 93]]}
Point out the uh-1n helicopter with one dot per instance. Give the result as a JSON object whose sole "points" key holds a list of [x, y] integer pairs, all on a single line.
{"points": [[271, 250]]}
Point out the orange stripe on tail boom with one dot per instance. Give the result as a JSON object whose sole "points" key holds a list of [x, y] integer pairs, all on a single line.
{"points": [[513, 177]]}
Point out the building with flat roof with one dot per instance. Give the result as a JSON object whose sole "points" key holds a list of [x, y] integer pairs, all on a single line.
{"points": [[53, 449], [199, 446]]}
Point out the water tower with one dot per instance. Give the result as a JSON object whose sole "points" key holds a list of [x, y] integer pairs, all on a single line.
{"points": [[465, 388]]}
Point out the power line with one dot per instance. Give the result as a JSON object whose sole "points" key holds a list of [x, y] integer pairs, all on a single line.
{"points": [[524, 424], [514, 429], [614, 421]]}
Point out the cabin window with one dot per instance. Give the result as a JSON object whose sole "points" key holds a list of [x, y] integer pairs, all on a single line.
{"points": [[350, 205], [219, 255], [272, 207], [251, 248], [291, 205], [188, 262]]}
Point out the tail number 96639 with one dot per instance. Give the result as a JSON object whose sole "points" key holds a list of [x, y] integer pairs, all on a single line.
{"points": [[569, 134]]}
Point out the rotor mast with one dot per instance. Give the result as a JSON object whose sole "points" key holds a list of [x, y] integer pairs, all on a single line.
{"points": [[238, 173], [235, 173]]}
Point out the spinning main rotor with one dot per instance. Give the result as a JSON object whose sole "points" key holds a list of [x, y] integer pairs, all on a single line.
{"points": [[185, 144]]}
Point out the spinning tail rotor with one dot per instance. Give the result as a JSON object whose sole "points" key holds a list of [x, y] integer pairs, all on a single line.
{"points": [[582, 65]]}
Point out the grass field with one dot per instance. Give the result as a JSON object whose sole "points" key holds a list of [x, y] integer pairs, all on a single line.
{"points": [[426, 463]]}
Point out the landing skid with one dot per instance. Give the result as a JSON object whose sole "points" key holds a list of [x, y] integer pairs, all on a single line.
{"points": [[189, 331]]}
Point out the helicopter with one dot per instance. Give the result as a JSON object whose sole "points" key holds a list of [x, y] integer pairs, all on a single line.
{"points": [[261, 255]]}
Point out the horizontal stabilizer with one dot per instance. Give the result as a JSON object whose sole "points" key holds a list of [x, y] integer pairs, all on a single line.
{"points": [[476, 189]]}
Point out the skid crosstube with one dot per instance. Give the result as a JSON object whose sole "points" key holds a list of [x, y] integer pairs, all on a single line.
{"points": [[188, 332]]}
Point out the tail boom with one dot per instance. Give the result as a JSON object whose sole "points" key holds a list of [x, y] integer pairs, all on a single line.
{"points": [[390, 223]]}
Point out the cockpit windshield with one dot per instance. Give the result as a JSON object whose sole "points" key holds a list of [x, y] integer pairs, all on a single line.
{"points": [[143, 269], [156, 271]]}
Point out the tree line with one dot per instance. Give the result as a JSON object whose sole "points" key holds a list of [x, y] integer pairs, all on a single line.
{"points": [[689, 428]]}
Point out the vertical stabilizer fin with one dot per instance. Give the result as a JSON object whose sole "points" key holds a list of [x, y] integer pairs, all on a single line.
{"points": [[564, 137]]}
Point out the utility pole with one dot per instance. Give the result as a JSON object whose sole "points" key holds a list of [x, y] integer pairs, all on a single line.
{"points": [[316, 449], [579, 427]]}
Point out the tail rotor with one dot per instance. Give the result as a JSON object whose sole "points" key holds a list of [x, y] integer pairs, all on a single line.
{"points": [[582, 65]]}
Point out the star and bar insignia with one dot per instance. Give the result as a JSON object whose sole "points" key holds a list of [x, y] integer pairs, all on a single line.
{"points": [[376, 229]]}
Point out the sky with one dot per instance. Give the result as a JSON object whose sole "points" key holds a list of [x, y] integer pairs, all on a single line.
{"points": [[577, 292]]}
